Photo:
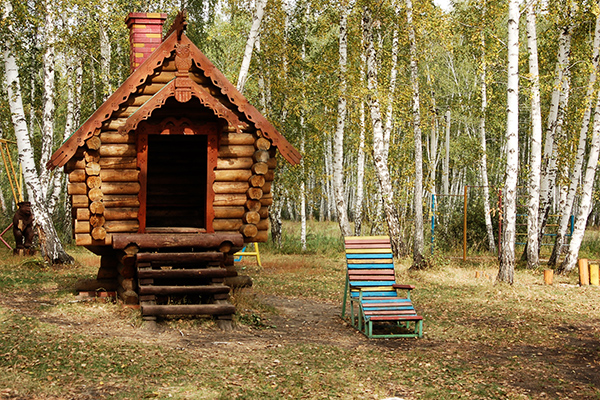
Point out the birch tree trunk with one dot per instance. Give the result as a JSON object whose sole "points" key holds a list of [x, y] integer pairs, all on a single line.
{"points": [[585, 202], [383, 175], [257, 17], [51, 247], [578, 167], [482, 134], [419, 241], [446, 168], [507, 259], [535, 158], [360, 169], [338, 140], [105, 52]]}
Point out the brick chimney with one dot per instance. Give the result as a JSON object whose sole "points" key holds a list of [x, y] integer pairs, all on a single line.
{"points": [[145, 35]]}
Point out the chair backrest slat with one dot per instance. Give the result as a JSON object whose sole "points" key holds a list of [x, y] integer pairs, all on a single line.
{"points": [[370, 264]]}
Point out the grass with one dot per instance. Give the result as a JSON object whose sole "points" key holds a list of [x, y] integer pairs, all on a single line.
{"points": [[482, 340]]}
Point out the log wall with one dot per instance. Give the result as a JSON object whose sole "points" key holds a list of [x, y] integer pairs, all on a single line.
{"points": [[104, 180]]}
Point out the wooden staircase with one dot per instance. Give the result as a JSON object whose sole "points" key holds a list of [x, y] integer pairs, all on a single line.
{"points": [[180, 274]]}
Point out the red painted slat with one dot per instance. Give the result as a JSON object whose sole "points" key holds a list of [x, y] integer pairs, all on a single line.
{"points": [[387, 271], [372, 278], [392, 312], [368, 246]]}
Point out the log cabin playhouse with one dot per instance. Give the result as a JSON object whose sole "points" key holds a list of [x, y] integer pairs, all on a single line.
{"points": [[171, 176]]}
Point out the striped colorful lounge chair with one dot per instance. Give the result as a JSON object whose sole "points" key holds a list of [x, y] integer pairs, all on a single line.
{"points": [[373, 292]]}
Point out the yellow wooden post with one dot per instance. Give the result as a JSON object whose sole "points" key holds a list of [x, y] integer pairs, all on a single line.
{"points": [[255, 253], [594, 274], [548, 275], [584, 272]]}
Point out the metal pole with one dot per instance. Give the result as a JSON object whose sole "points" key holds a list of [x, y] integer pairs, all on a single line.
{"points": [[465, 228]]}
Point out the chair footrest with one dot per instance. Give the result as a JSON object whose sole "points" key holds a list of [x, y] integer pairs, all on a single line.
{"points": [[397, 318]]}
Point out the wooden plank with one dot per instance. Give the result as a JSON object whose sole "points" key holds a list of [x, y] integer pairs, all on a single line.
{"points": [[168, 240], [179, 258], [182, 273], [169, 290]]}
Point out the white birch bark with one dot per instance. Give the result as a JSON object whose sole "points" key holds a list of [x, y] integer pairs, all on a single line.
{"points": [[483, 137], [578, 167], [381, 167], [446, 167], [360, 169], [507, 259], [257, 16], [554, 128], [48, 99], [535, 158], [105, 52], [338, 139], [585, 202], [389, 119], [51, 247], [419, 241], [302, 189]]}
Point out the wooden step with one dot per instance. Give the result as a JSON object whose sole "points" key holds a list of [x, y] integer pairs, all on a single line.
{"points": [[182, 273], [174, 240], [179, 258], [189, 309], [169, 290]]}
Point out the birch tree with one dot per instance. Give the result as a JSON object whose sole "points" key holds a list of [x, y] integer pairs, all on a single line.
{"points": [[585, 202], [259, 12], [338, 140], [507, 258], [535, 162], [419, 241], [51, 247], [579, 158], [381, 168], [360, 169]]}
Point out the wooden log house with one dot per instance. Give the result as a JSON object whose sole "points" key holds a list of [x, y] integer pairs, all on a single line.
{"points": [[171, 176]]}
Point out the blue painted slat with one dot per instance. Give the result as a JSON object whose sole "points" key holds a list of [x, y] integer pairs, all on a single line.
{"points": [[369, 283], [363, 256], [355, 295], [387, 308], [386, 301]]}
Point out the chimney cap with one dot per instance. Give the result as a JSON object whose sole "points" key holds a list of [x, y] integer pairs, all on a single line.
{"points": [[145, 18]]}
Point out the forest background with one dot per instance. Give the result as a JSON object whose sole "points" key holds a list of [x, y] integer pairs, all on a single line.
{"points": [[390, 102]]}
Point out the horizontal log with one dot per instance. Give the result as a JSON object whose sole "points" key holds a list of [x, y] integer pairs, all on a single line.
{"points": [[171, 290], [93, 169], [263, 143], [232, 138], [120, 187], [189, 309], [260, 168], [121, 213], [263, 225], [121, 226], [270, 176], [266, 188], [99, 233], [266, 201], [257, 181], [251, 217], [230, 187], [168, 240], [85, 239], [127, 283], [81, 201], [75, 163], [91, 156], [81, 226], [234, 163], [93, 182], [204, 273], [97, 207], [179, 258], [261, 156], [254, 193], [128, 297], [82, 214], [264, 212], [248, 230], [261, 237], [233, 224], [253, 205], [272, 163], [95, 195], [236, 151], [77, 175], [229, 200], [96, 220], [117, 137], [118, 162], [120, 175], [93, 143], [125, 111], [150, 89], [114, 124], [77, 188], [229, 211], [118, 150], [137, 99], [233, 175], [121, 200]]}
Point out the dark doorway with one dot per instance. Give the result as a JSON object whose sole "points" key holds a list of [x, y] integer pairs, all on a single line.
{"points": [[176, 181]]}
